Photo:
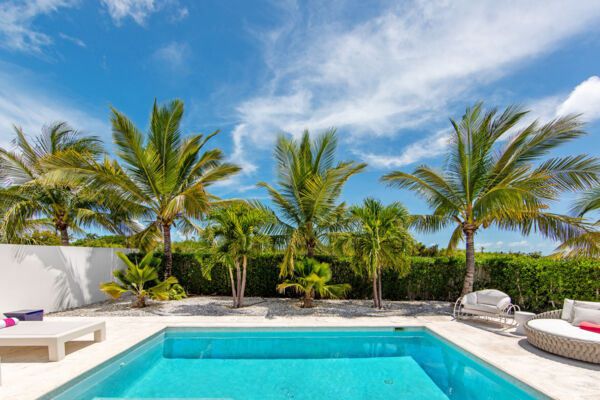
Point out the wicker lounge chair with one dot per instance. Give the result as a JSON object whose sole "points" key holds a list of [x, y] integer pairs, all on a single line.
{"points": [[549, 332], [488, 303]]}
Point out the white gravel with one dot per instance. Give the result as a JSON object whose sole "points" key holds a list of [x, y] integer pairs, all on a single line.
{"points": [[256, 306]]}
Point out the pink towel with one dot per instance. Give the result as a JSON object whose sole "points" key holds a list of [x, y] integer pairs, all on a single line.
{"points": [[6, 322]]}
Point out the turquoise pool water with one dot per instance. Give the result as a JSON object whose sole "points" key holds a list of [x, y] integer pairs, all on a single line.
{"points": [[282, 364]]}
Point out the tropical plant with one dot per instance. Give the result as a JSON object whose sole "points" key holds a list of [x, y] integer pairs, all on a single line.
{"points": [[586, 244], [136, 278], [29, 204], [380, 241], [312, 277], [310, 183], [164, 174], [238, 232], [489, 181]]}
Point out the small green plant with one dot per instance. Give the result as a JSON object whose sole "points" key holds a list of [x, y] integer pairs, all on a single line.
{"points": [[310, 277], [135, 278]]}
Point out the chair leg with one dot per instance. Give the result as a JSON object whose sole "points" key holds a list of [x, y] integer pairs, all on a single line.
{"points": [[56, 350], [100, 335]]}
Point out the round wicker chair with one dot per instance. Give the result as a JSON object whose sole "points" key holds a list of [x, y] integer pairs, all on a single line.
{"points": [[566, 347]]}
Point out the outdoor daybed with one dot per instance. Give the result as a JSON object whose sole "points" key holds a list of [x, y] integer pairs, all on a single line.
{"points": [[488, 303], [553, 332], [53, 334]]}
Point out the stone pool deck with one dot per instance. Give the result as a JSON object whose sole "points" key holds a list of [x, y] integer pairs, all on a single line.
{"points": [[27, 374]]}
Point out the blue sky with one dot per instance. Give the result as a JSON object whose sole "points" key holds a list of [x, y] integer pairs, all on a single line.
{"points": [[386, 75]]}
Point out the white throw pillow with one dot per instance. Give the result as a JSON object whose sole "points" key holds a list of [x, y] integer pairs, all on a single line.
{"points": [[581, 314], [587, 304], [567, 312]]}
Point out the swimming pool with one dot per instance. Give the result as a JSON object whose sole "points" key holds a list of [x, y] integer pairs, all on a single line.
{"points": [[391, 363]]}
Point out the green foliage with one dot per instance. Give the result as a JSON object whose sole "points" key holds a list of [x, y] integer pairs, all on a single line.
{"points": [[309, 184], [487, 181], [135, 278], [93, 240], [536, 284], [311, 278]]}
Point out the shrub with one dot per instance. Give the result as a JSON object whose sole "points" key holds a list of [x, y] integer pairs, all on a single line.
{"points": [[535, 283]]}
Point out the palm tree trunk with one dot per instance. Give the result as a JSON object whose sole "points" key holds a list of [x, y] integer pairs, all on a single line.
{"points": [[308, 299], [242, 289], [238, 275], [233, 291], [375, 304], [380, 297], [469, 231], [310, 249], [168, 252], [64, 236], [141, 301]]}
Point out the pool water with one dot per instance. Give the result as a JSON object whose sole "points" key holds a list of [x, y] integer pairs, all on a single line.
{"points": [[186, 363]]}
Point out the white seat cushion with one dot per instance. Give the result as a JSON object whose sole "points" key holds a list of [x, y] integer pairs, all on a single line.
{"points": [[480, 307], [492, 297], [563, 328]]}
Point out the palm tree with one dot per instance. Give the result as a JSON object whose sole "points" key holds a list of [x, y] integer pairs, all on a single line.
{"points": [[135, 278], [310, 183], [486, 182], [588, 243], [380, 241], [312, 277], [29, 203], [164, 173], [238, 232]]}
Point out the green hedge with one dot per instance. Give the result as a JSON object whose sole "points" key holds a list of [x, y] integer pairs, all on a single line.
{"points": [[536, 284]]}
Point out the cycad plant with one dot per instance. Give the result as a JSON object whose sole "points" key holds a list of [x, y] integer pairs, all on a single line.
{"points": [[379, 241], [238, 233], [494, 178], [142, 281], [30, 204], [310, 182], [163, 172], [312, 277]]}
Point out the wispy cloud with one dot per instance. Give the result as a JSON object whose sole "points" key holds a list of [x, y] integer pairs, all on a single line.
{"points": [[403, 68], [140, 10], [24, 105], [174, 55], [72, 39], [17, 29]]}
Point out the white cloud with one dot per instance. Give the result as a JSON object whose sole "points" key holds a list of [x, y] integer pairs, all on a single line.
{"points": [[17, 30], [429, 147], [26, 106], [174, 55], [139, 10], [75, 40], [585, 99], [521, 243], [400, 69]]}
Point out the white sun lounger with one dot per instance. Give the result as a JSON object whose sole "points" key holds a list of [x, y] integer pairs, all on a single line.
{"points": [[52, 334]]}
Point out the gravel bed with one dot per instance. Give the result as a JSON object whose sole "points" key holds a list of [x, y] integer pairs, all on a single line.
{"points": [[256, 306]]}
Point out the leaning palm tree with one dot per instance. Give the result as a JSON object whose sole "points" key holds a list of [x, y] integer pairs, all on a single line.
{"points": [[238, 233], [488, 182], [380, 240], [310, 184], [28, 203], [164, 173]]}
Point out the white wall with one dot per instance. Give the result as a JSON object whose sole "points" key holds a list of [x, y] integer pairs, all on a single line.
{"points": [[54, 278]]}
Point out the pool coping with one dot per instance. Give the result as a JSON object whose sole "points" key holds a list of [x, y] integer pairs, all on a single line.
{"points": [[488, 364]]}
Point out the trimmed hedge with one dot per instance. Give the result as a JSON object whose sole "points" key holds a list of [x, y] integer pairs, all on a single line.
{"points": [[536, 284]]}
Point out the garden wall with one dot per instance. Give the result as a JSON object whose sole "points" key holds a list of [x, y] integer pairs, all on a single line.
{"points": [[536, 284], [54, 278]]}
